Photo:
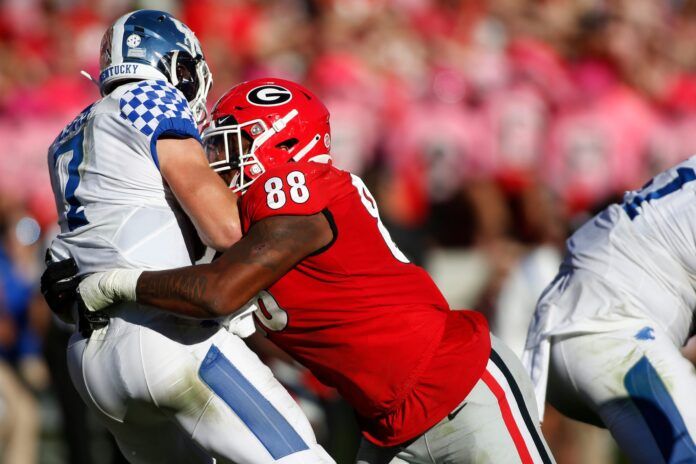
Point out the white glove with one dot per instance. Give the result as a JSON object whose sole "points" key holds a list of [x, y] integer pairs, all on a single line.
{"points": [[102, 289]]}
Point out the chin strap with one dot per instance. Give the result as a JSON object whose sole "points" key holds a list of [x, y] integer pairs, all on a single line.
{"points": [[89, 77]]}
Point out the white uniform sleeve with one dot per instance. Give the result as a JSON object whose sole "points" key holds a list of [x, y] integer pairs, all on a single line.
{"points": [[156, 108]]}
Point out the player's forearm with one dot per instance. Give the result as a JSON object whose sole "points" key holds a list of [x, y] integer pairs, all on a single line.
{"points": [[218, 225], [206, 199], [195, 291], [212, 208], [271, 248], [205, 291], [176, 291]]}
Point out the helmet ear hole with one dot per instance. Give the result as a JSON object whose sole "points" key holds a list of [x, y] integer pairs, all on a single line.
{"points": [[287, 145]]}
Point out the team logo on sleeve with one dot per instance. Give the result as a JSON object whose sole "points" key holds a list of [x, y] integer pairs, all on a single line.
{"points": [[269, 95]]}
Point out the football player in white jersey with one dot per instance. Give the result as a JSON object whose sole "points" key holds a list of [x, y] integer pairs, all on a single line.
{"points": [[132, 188], [605, 342]]}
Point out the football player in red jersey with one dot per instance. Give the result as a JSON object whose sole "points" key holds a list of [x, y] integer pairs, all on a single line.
{"points": [[332, 289]]}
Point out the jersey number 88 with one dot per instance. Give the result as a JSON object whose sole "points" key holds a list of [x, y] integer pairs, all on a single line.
{"points": [[275, 195]]}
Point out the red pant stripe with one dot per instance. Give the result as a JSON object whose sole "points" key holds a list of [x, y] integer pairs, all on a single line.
{"points": [[508, 418]]}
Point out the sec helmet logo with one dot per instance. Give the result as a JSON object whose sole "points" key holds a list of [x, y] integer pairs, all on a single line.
{"points": [[269, 95], [133, 40]]}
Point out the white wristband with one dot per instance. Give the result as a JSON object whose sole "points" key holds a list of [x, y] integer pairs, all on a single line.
{"points": [[102, 289], [241, 322]]}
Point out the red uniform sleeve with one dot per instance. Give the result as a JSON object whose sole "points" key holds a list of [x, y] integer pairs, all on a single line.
{"points": [[296, 189]]}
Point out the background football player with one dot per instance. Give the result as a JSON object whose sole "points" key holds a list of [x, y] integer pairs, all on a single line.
{"points": [[122, 171], [428, 384], [614, 321]]}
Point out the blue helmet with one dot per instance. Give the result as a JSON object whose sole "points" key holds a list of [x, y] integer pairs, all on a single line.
{"points": [[151, 44]]}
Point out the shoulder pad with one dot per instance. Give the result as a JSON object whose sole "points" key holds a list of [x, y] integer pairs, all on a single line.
{"points": [[74, 126], [147, 103]]}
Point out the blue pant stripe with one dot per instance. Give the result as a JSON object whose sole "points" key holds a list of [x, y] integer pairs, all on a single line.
{"points": [[259, 415], [649, 394]]}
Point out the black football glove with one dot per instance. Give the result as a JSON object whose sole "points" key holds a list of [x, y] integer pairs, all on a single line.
{"points": [[59, 287]]}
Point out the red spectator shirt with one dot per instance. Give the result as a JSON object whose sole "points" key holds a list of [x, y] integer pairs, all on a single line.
{"points": [[360, 316]]}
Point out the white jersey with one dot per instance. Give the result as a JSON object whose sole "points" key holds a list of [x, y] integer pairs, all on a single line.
{"points": [[114, 209], [642, 252]]}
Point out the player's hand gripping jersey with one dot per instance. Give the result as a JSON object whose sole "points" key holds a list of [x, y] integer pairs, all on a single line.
{"points": [[113, 207], [359, 315]]}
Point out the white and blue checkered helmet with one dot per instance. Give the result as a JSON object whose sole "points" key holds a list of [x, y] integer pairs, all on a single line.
{"points": [[151, 44]]}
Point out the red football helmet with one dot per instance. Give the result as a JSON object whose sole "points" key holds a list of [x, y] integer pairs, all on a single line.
{"points": [[262, 123]]}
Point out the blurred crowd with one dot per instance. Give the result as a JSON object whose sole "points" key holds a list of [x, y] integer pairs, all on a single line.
{"points": [[488, 129]]}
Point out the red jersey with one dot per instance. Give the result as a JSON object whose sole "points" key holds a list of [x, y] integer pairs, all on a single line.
{"points": [[360, 316]]}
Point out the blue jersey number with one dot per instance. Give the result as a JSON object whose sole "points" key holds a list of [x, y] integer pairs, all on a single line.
{"points": [[684, 175], [67, 159]]}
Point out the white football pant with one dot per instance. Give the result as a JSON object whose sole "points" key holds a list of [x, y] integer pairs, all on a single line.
{"points": [[173, 390], [633, 380]]}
